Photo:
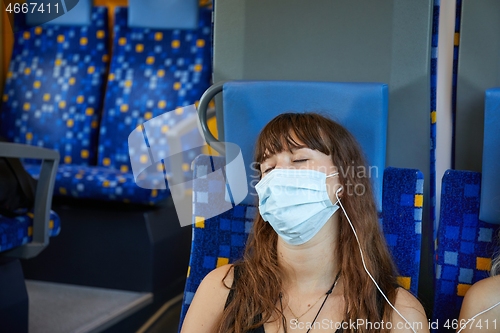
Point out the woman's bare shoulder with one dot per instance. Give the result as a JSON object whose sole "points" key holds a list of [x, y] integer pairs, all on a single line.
{"points": [[481, 296], [485, 287], [209, 301], [412, 310]]}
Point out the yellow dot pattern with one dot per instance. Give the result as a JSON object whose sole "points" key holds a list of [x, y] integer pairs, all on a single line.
{"points": [[483, 264], [222, 261], [50, 97], [419, 200], [462, 289], [404, 281], [199, 222]]}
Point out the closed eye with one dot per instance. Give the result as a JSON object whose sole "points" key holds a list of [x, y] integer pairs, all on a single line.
{"points": [[267, 170], [299, 161]]}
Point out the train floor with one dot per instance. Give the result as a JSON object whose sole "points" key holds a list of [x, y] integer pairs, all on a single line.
{"points": [[60, 308]]}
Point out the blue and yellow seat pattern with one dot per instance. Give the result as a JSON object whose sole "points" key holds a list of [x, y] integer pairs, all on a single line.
{"points": [[55, 92], [465, 243], [221, 240], [17, 231], [54, 88], [402, 202], [152, 71]]}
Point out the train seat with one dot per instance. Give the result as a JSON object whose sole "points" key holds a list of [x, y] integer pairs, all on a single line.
{"points": [[152, 71], [468, 230], [220, 229], [54, 90]]}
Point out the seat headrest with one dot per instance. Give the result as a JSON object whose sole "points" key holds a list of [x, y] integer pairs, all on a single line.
{"points": [[66, 12], [490, 184], [163, 14], [360, 107]]}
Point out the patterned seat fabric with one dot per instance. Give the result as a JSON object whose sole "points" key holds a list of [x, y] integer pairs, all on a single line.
{"points": [[152, 72], [100, 183], [465, 244], [54, 88], [221, 240], [18, 231], [402, 201]]}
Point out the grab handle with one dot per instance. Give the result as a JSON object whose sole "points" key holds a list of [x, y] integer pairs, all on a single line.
{"points": [[203, 114]]}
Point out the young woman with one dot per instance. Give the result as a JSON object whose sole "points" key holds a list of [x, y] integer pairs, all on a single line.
{"points": [[480, 310], [303, 270]]}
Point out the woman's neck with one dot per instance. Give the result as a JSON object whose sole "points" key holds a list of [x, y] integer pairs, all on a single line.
{"points": [[312, 266]]}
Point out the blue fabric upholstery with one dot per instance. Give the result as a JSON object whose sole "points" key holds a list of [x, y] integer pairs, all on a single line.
{"points": [[139, 88], [152, 72], [402, 200], [221, 239], [55, 86], [433, 106], [360, 107], [18, 231], [216, 241], [100, 183], [465, 243], [490, 189]]}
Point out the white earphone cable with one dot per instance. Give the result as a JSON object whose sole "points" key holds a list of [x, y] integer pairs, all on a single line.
{"points": [[474, 317], [364, 264]]}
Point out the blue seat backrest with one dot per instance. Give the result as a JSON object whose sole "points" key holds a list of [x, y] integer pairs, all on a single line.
{"points": [[164, 14], [465, 244], [490, 189], [152, 71], [401, 219], [55, 85], [77, 12], [360, 107], [221, 239]]}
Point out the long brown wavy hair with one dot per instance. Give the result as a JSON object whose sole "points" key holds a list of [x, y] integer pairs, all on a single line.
{"points": [[260, 276]]}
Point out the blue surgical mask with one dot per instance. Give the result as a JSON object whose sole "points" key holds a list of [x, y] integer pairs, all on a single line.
{"points": [[295, 202]]}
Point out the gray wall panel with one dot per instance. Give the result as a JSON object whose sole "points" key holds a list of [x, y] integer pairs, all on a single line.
{"points": [[327, 40], [478, 70]]}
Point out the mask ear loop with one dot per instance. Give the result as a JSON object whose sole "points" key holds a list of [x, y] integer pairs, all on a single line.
{"points": [[364, 264]]}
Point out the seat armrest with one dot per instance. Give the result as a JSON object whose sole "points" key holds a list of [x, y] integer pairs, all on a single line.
{"points": [[43, 196]]}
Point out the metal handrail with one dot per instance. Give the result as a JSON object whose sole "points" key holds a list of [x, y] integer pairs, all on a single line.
{"points": [[203, 114]]}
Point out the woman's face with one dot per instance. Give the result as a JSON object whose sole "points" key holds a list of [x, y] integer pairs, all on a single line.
{"points": [[302, 157]]}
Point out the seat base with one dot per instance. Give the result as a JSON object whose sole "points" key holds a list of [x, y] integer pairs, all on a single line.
{"points": [[13, 297], [116, 246]]}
